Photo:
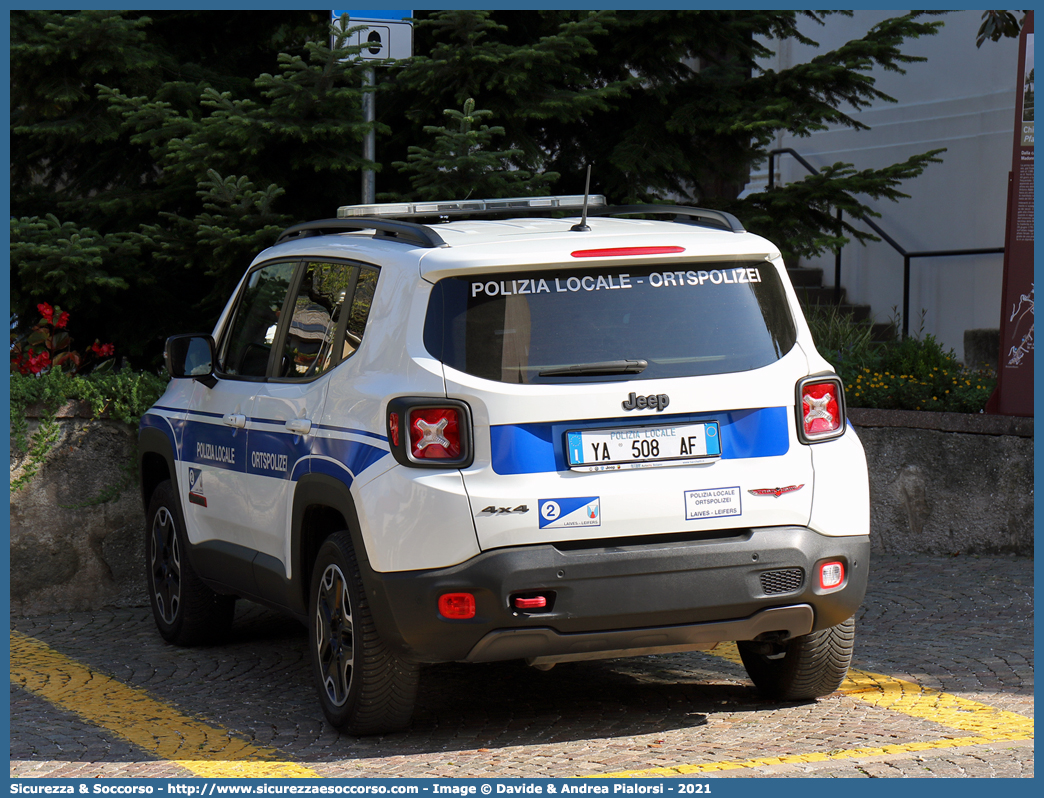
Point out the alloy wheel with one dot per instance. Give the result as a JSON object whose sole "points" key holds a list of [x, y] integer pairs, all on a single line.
{"points": [[333, 631], [166, 565]]}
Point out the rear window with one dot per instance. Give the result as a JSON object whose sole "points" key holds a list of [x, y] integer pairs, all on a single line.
{"points": [[712, 318]]}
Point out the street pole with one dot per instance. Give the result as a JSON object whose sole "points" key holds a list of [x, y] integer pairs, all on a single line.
{"points": [[370, 142]]}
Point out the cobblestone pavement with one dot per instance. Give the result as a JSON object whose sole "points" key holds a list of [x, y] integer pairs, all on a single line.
{"points": [[961, 626]]}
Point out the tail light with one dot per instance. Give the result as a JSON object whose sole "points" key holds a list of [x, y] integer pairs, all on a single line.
{"points": [[820, 408], [430, 433], [435, 433]]}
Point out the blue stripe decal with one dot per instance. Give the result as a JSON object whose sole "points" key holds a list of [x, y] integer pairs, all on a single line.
{"points": [[353, 431], [334, 470], [190, 412], [278, 421], [163, 424], [301, 468], [280, 455], [214, 445], [538, 448], [357, 456], [274, 454]]}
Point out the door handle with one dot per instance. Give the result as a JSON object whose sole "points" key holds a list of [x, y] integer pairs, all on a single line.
{"points": [[299, 426], [237, 420]]}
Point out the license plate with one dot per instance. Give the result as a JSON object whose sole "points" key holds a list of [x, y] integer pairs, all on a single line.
{"points": [[642, 447]]}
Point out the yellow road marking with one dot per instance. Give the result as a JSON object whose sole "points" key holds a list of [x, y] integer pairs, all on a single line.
{"points": [[991, 725], [793, 759], [131, 714]]}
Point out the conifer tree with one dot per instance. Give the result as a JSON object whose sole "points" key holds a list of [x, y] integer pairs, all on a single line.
{"points": [[187, 155], [670, 105], [464, 164], [153, 154]]}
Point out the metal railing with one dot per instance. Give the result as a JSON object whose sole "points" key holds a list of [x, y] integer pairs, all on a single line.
{"points": [[907, 256]]}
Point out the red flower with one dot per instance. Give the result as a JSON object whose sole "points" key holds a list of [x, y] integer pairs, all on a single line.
{"points": [[46, 311], [39, 362], [62, 320], [102, 350]]}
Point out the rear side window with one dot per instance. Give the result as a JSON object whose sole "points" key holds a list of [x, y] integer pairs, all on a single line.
{"points": [[308, 349], [712, 318]]}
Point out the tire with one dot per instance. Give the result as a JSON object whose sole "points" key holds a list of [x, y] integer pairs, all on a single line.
{"points": [[806, 667], [364, 687], [186, 611]]}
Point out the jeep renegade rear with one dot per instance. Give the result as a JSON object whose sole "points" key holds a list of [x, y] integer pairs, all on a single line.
{"points": [[516, 438]]}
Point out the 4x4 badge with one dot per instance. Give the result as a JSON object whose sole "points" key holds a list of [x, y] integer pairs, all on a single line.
{"points": [[777, 492]]}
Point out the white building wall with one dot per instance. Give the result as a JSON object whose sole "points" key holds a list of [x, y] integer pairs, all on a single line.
{"points": [[962, 98]]}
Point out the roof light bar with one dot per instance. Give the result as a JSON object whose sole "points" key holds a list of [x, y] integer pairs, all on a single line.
{"points": [[461, 207]]}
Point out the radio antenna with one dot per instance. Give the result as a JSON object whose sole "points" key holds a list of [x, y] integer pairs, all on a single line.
{"points": [[582, 227]]}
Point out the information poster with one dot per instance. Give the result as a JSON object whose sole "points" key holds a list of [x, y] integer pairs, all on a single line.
{"points": [[1015, 370]]}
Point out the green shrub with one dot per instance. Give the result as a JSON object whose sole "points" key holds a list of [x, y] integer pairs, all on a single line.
{"points": [[121, 395], [912, 373], [845, 342]]}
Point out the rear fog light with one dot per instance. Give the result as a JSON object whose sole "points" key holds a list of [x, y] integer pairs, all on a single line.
{"points": [[457, 606]]}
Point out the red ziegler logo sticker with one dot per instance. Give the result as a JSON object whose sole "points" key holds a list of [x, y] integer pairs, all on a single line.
{"points": [[777, 492]]}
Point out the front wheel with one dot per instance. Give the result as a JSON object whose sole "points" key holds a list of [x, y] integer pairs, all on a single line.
{"points": [[186, 611], [364, 687], [803, 668]]}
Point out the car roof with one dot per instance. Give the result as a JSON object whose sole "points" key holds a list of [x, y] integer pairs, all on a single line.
{"points": [[487, 244]]}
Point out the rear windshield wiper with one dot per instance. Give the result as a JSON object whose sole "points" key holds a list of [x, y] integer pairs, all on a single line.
{"points": [[602, 367]]}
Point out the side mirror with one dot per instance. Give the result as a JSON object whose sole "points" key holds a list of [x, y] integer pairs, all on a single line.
{"points": [[191, 356]]}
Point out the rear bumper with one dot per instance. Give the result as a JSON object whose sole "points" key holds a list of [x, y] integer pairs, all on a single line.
{"points": [[618, 600]]}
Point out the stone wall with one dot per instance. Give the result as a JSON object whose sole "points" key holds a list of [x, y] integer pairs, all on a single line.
{"points": [[939, 484], [70, 548], [948, 483]]}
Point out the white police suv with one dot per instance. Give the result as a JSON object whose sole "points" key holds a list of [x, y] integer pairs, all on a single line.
{"points": [[510, 436]]}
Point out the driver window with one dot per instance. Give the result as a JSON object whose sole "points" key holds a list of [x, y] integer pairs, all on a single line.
{"points": [[256, 319]]}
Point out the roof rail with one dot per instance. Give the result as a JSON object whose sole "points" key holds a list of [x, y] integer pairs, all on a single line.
{"points": [[682, 213], [410, 232]]}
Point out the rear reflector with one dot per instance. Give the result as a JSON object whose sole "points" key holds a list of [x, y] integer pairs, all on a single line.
{"points": [[821, 409], [618, 252], [535, 603], [393, 428], [457, 606], [831, 574]]}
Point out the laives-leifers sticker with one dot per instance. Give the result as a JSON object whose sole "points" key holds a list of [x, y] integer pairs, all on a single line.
{"points": [[570, 512]]}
